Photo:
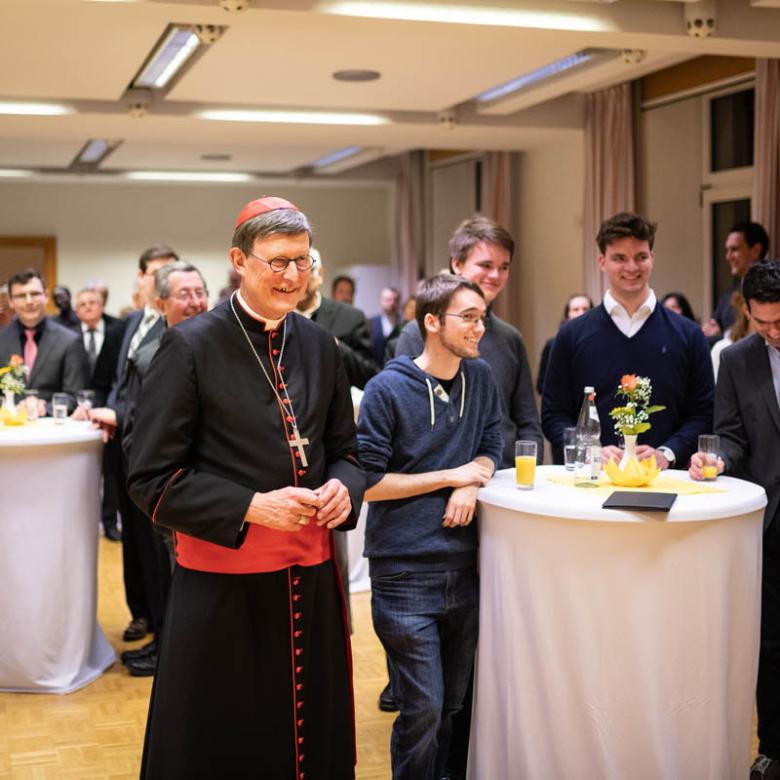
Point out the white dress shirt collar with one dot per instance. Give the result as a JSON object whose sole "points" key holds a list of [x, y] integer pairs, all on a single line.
{"points": [[774, 365], [314, 306], [100, 328], [629, 325]]}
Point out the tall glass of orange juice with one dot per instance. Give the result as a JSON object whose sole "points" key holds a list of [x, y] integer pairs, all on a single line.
{"points": [[525, 464], [709, 447]]}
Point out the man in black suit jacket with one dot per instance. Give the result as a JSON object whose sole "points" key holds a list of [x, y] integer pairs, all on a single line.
{"points": [[386, 324], [54, 355], [346, 323], [138, 544], [102, 338], [747, 419]]}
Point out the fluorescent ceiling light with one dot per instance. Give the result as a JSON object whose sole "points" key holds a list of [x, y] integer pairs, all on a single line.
{"points": [[95, 151], [294, 117], [34, 109], [466, 14], [341, 154], [536, 76], [203, 176], [14, 173], [168, 57]]}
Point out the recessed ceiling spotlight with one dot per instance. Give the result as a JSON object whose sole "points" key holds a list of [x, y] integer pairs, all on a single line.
{"points": [[216, 157], [356, 74]]}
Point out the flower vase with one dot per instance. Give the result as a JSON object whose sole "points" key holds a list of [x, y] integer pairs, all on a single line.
{"points": [[629, 450], [8, 402]]}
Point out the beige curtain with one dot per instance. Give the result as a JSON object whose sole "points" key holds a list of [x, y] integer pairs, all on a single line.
{"points": [[497, 202], [609, 171], [766, 180], [410, 238]]}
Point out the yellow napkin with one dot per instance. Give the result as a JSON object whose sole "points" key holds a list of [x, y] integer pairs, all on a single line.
{"points": [[663, 484]]}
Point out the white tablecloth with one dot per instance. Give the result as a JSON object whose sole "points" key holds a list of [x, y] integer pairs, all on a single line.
{"points": [[616, 645], [50, 641]]}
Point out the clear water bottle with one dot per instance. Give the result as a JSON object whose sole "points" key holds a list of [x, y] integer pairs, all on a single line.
{"points": [[587, 462]]}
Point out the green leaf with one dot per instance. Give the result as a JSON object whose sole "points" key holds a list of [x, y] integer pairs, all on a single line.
{"points": [[653, 409], [642, 427]]}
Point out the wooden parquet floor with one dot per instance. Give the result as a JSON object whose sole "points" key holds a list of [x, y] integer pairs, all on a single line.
{"points": [[97, 732]]}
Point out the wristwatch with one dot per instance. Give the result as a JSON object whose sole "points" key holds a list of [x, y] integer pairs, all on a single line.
{"points": [[668, 454]]}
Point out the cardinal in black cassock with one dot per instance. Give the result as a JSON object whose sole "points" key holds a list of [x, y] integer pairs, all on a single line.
{"points": [[248, 434]]}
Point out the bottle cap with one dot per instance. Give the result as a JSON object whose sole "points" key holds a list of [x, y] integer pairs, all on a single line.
{"points": [[590, 389]]}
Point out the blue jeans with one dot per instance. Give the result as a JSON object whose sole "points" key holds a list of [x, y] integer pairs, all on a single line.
{"points": [[428, 624]]}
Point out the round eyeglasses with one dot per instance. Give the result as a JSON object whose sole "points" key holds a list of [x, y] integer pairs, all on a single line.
{"points": [[279, 264]]}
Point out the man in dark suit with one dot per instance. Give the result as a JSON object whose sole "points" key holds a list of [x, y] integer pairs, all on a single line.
{"points": [[102, 341], [346, 323], [54, 356], [102, 338], [386, 324], [747, 419], [138, 560], [746, 244]]}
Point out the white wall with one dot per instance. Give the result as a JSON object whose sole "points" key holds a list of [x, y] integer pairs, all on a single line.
{"points": [[670, 179], [101, 228], [549, 238]]}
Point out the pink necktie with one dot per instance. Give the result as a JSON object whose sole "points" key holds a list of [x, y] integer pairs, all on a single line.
{"points": [[30, 350]]}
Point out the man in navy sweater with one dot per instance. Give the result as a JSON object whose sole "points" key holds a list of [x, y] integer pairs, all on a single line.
{"points": [[429, 435], [629, 333]]}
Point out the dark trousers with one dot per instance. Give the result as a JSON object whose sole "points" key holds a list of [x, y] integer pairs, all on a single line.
{"points": [[768, 691], [146, 563], [111, 466]]}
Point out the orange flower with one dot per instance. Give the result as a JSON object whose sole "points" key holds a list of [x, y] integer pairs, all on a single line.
{"points": [[628, 383], [16, 361]]}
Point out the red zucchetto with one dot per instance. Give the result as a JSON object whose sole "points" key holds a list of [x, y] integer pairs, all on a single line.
{"points": [[262, 205]]}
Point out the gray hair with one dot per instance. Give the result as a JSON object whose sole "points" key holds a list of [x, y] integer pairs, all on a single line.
{"points": [[286, 221], [162, 284]]}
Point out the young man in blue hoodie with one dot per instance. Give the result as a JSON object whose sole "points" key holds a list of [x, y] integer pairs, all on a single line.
{"points": [[429, 436]]}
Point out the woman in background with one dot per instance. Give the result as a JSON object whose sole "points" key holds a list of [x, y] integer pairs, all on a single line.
{"points": [[678, 303], [575, 307]]}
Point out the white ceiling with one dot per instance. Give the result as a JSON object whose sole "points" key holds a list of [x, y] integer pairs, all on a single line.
{"points": [[282, 54]]}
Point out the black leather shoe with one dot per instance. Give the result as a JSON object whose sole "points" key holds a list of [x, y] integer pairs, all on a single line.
{"points": [[143, 667], [387, 702], [113, 534], [130, 656], [765, 769], [137, 628]]}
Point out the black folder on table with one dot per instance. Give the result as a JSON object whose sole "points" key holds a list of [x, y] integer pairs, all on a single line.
{"points": [[640, 500]]}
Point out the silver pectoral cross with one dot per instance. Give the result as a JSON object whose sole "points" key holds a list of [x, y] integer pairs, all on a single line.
{"points": [[297, 441]]}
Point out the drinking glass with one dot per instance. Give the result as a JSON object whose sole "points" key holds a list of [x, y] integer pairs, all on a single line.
{"points": [[31, 402], [85, 399], [59, 407], [569, 448], [709, 447], [525, 464]]}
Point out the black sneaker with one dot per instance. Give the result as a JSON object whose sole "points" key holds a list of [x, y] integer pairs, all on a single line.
{"points": [[765, 769], [387, 702]]}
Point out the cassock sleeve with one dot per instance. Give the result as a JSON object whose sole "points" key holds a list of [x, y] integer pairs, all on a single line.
{"points": [[341, 447], [162, 480]]}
